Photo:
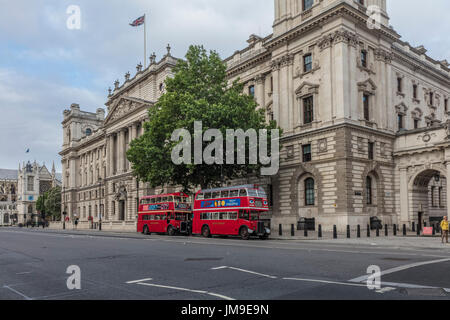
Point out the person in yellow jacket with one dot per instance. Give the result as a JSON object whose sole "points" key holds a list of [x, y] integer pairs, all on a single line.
{"points": [[444, 228]]}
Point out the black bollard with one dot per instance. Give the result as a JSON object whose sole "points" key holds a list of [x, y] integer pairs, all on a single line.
{"points": [[280, 230], [386, 230], [292, 230], [378, 231], [348, 232], [358, 232], [305, 233], [320, 231], [368, 231], [418, 231], [413, 227], [404, 230], [395, 230], [334, 232]]}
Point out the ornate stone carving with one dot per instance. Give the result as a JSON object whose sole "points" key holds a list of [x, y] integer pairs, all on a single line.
{"points": [[383, 55], [123, 109], [337, 37]]}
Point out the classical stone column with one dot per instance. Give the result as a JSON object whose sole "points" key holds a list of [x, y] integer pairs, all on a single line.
{"points": [[110, 155], [260, 90], [404, 201], [120, 151], [276, 91]]}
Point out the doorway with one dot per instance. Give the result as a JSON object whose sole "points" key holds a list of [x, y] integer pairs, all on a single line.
{"points": [[122, 210]]}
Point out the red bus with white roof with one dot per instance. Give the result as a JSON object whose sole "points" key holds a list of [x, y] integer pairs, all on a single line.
{"points": [[165, 213], [231, 211]]}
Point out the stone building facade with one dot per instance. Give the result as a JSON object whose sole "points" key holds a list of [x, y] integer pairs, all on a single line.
{"points": [[8, 197], [365, 119], [33, 180]]}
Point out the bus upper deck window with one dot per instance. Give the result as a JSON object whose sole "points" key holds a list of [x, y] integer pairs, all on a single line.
{"points": [[224, 194], [165, 199], [216, 195], [177, 199], [243, 192], [234, 193], [208, 195], [158, 200], [152, 200], [200, 196]]}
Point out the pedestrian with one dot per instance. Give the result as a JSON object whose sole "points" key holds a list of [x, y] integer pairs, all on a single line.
{"points": [[76, 223], [444, 229]]}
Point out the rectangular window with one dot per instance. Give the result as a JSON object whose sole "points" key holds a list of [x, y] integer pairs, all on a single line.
{"points": [[416, 124], [399, 85], [307, 63], [251, 91], [446, 105], [364, 58], [307, 4], [308, 110], [440, 197], [307, 153], [415, 91], [431, 98], [371, 150], [400, 122], [366, 107], [30, 186]]}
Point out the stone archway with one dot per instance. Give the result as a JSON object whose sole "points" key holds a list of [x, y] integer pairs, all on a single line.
{"points": [[303, 172], [427, 196]]}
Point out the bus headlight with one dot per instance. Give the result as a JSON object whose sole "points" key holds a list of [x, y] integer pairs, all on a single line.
{"points": [[267, 230]]}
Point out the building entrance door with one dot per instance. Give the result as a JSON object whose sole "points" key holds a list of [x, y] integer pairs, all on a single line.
{"points": [[420, 223]]}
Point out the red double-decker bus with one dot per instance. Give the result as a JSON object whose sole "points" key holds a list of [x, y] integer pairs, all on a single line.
{"points": [[166, 213], [231, 211]]}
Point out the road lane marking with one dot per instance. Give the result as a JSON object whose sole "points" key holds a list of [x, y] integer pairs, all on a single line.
{"points": [[21, 273], [142, 283], [401, 268], [17, 292], [327, 282], [137, 281], [246, 271]]}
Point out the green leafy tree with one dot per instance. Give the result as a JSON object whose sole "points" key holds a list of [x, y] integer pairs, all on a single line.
{"points": [[53, 203], [199, 91], [40, 204]]}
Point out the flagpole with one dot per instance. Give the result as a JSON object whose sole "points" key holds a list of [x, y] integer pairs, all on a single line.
{"points": [[145, 42]]}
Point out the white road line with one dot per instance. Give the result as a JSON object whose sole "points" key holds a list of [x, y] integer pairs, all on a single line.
{"points": [[139, 282], [401, 268], [17, 292], [21, 273], [246, 271], [327, 282]]}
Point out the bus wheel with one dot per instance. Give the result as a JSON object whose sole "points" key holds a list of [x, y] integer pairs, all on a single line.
{"points": [[205, 232], [170, 231], [146, 232], [244, 233]]}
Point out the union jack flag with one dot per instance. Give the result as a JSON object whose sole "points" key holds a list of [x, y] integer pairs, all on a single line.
{"points": [[138, 22]]}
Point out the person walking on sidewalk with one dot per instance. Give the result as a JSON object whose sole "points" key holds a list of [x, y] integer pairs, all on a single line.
{"points": [[444, 228]]}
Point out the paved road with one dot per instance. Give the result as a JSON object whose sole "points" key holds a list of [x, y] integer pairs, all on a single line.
{"points": [[33, 265]]}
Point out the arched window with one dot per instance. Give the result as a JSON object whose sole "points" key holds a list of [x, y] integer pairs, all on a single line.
{"points": [[309, 192], [369, 190], [88, 131]]}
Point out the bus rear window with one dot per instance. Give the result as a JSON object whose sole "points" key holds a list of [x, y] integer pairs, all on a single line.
{"points": [[242, 193], [200, 196], [208, 195]]}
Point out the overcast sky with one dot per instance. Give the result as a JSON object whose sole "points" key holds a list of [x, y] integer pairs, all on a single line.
{"points": [[44, 66]]}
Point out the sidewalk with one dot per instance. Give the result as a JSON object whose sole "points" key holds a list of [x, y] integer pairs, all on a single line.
{"points": [[410, 241]]}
